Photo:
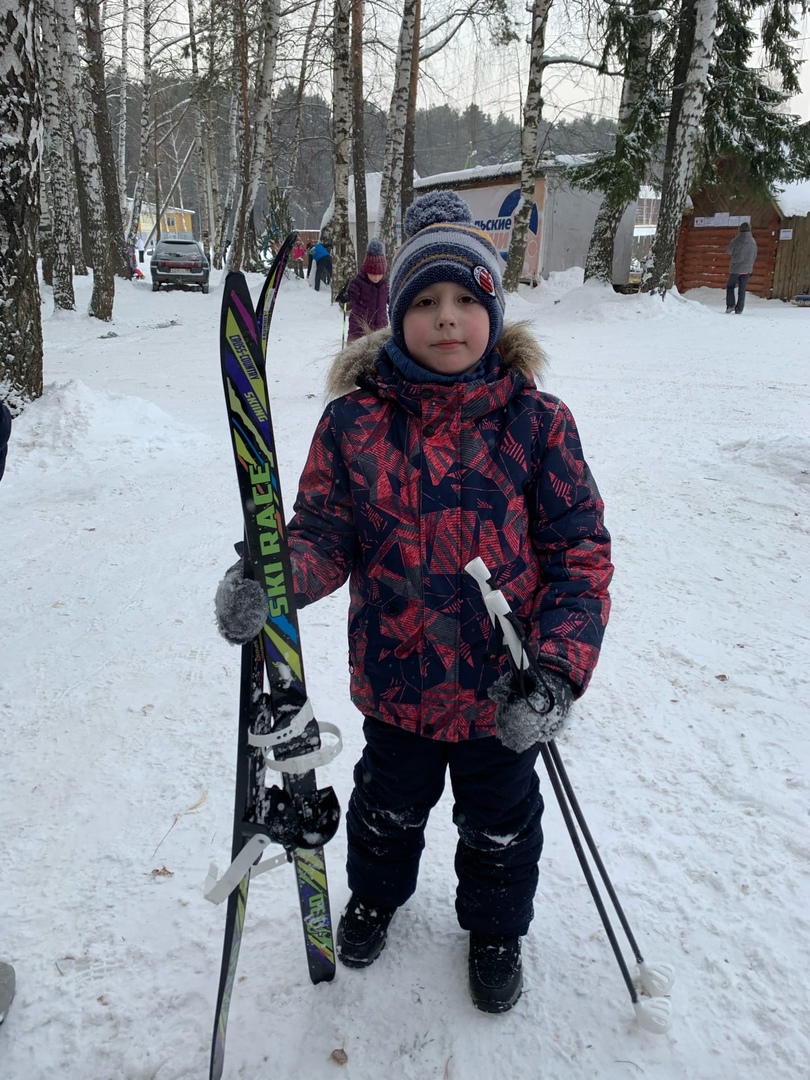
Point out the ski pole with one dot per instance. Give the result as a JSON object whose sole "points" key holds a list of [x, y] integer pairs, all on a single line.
{"points": [[657, 979]]}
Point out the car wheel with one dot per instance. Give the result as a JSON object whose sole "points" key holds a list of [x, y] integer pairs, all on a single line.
{"points": [[155, 286]]}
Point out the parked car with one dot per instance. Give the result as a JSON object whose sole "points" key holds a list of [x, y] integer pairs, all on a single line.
{"points": [[179, 262]]}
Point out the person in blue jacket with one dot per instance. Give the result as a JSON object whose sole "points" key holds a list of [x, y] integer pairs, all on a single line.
{"points": [[319, 254]]}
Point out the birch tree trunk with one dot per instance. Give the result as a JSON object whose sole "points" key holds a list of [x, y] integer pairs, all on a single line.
{"points": [[358, 131], [409, 140], [145, 128], [627, 173], [679, 167], [21, 124], [532, 114], [214, 207], [253, 153], [87, 156], [230, 191], [344, 264], [200, 142], [96, 80], [395, 132], [56, 162], [122, 109]]}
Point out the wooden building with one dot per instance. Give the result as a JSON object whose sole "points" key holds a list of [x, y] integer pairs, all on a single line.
{"points": [[780, 224]]}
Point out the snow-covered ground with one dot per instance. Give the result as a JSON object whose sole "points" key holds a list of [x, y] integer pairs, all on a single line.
{"points": [[689, 752]]}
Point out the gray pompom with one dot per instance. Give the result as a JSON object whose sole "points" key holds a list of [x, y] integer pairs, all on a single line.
{"points": [[240, 606], [375, 247], [434, 208]]}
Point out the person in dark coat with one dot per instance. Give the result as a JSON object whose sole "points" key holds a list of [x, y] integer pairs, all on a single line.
{"points": [[368, 293], [743, 252], [319, 254], [5, 435], [440, 448]]}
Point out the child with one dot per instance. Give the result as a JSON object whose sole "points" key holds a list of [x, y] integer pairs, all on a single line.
{"points": [[368, 293], [299, 253], [439, 450]]}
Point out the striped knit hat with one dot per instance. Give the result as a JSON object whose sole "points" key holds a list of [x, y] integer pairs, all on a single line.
{"points": [[443, 245]]}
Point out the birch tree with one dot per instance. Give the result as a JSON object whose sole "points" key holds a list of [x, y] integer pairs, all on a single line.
{"points": [[145, 125], [87, 156], [695, 45], [21, 124], [96, 82], [204, 187], [358, 130], [56, 161], [637, 38], [254, 142], [391, 183], [122, 109], [344, 265], [532, 114]]}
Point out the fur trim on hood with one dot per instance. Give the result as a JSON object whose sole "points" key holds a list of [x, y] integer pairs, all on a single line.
{"points": [[517, 345]]}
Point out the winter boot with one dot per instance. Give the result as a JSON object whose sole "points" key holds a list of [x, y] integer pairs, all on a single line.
{"points": [[362, 931], [496, 972]]}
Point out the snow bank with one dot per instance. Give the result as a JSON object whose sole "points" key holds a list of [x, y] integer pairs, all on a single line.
{"points": [[71, 421], [785, 454]]}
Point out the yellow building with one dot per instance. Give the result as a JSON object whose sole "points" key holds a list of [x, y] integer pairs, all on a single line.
{"points": [[176, 222]]}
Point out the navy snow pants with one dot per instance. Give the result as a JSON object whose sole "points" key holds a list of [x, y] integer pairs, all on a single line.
{"points": [[497, 810]]}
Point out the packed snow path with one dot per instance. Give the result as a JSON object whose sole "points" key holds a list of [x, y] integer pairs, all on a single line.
{"points": [[118, 707]]}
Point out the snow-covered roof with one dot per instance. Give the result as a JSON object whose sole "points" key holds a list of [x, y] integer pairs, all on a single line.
{"points": [[373, 185], [506, 168], [793, 199], [480, 172]]}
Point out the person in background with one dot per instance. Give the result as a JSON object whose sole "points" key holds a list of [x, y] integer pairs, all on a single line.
{"points": [[140, 245], [368, 293], [299, 253], [743, 252], [319, 254]]}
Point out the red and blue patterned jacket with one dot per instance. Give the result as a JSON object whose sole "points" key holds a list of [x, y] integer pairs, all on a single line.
{"points": [[404, 484]]}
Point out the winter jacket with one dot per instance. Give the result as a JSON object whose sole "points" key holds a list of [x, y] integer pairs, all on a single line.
{"points": [[404, 484], [368, 305], [743, 252], [5, 435], [318, 251]]}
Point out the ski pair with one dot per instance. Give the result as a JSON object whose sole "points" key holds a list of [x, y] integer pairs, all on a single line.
{"points": [[278, 721], [654, 1014]]}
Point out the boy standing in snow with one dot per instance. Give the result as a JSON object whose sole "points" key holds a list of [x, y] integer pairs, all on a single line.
{"points": [[368, 293], [439, 449]]}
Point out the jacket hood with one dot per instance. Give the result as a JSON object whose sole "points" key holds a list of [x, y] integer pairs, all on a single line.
{"points": [[519, 349]]}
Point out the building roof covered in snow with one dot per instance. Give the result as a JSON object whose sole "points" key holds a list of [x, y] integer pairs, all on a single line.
{"points": [[793, 200]]}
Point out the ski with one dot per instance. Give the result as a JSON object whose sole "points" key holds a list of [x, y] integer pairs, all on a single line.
{"points": [[278, 721], [7, 984]]}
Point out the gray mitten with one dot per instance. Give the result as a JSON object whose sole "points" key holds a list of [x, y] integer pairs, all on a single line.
{"points": [[240, 606], [524, 721]]}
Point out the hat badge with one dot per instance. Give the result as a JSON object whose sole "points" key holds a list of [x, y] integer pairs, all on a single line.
{"points": [[484, 279]]}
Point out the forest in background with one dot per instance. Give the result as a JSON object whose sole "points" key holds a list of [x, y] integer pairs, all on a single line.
{"points": [[446, 139]]}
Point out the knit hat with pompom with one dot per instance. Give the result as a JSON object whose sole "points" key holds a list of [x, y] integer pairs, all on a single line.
{"points": [[443, 245], [375, 261]]}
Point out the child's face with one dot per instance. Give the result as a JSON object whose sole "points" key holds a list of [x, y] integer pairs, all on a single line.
{"points": [[375, 278], [446, 329]]}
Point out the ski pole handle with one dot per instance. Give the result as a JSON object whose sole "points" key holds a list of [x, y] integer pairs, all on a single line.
{"points": [[499, 611]]}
